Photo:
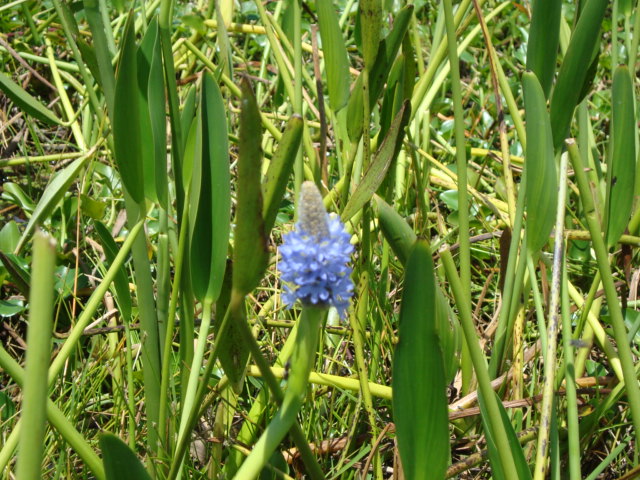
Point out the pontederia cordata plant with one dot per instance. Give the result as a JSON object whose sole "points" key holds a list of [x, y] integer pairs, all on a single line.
{"points": [[177, 302]]}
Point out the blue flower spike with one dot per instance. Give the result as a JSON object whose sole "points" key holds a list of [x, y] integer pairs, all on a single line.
{"points": [[315, 256]]}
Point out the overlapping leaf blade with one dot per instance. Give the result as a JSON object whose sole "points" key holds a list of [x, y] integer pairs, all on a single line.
{"points": [[335, 54], [540, 167], [127, 139], [621, 173], [419, 384], [210, 208]]}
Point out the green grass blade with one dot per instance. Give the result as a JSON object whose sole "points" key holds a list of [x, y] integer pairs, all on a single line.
{"points": [[335, 54], [127, 139], [544, 38], [621, 172], [250, 253], [53, 193], [34, 400], [419, 385], [380, 164], [541, 175], [120, 281], [210, 210], [575, 68], [26, 102], [120, 463], [277, 176], [522, 467]]}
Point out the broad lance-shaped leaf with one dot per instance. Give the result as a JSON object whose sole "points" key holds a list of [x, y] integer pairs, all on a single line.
{"points": [[250, 254], [540, 167], [544, 38], [26, 102], [120, 463], [575, 68], [379, 166], [419, 383], [336, 59], [152, 115], [621, 171], [127, 140], [277, 176], [210, 208]]}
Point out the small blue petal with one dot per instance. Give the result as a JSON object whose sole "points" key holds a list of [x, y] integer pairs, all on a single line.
{"points": [[316, 268]]}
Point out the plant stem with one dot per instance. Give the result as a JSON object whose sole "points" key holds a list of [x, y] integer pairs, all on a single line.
{"points": [[480, 367], [461, 157], [302, 360], [35, 390], [550, 360], [615, 312]]}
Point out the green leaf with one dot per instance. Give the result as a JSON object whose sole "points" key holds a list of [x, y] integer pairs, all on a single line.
{"points": [[395, 229], [17, 268], [419, 385], [540, 166], [121, 281], [336, 60], [153, 115], [18, 196], [379, 73], [250, 253], [92, 208], [26, 102], [393, 95], [11, 307], [574, 69], [181, 167], [621, 171], [544, 38], [104, 56], [524, 473], [234, 351], [379, 166], [120, 463], [449, 334], [625, 6], [127, 134], [52, 194], [370, 26], [210, 210], [9, 236], [277, 176], [7, 407], [188, 111]]}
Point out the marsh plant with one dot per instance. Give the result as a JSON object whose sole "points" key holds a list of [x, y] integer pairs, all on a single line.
{"points": [[329, 239]]}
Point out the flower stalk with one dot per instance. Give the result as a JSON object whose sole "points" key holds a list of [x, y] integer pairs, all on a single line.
{"points": [[314, 263]]}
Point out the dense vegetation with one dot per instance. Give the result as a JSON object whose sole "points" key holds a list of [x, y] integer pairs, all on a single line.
{"points": [[167, 294]]}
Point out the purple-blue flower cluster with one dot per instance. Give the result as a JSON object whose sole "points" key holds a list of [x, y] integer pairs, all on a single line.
{"points": [[315, 257]]}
